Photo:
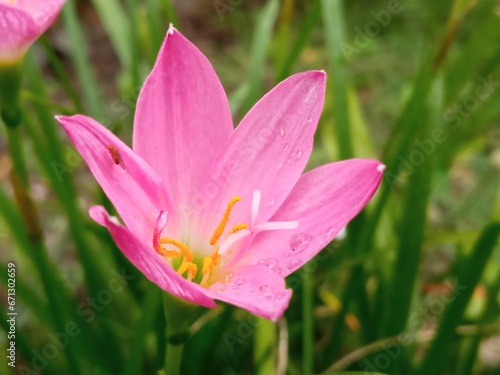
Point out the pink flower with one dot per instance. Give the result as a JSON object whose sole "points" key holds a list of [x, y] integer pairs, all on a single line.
{"points": [[22, 22], [212, 212]]}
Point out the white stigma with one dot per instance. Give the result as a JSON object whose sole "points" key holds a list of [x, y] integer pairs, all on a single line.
{"points": [[255, 207], [232, 239]]}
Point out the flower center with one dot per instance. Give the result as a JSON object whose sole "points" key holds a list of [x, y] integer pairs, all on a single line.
{"points": [[182, 257]]}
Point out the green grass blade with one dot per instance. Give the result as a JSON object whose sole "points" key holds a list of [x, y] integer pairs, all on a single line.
{"points": [[117, 26], [303, 36], [261, 41], [79, 55], [468, 276], [411, 233], [333, 20]]}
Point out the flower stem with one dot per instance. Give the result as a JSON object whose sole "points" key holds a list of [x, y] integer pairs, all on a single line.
{"points": [[180, 314], [173, 359]]}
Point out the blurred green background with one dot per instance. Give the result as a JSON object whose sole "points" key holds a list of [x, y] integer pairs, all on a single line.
{"points": [[412, 288]]}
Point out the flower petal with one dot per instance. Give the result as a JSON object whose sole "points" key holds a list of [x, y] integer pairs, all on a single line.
{"points": [[43, 12], [18, 31], [268, 150], [149, 262], [256, 289], [134, 188], [324, 200], [22, 22], [182, 118]]}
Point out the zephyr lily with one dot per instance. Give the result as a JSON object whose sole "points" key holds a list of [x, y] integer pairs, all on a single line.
{"points": [[212, 212], [22, 22]]}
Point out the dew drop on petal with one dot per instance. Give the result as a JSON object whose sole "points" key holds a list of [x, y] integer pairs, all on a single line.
{"points": [[298, 154], [299, 242], [228, 278], [271, 263], [237, 284], [289, 161], [271, 200], [266, 291], [220, 288], [293, 263], [286, 147], [309, 118], [279, 296]]}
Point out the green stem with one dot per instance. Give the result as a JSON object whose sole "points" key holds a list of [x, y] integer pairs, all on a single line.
{"points": [[265, 341], [16, 153], [10, 87], [308, 330], [173, 359], [180, 314]]}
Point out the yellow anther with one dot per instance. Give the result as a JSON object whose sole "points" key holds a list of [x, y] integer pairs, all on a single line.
{"points": [[188, 255], [222, 225], [238, 227], [168, 253], [191, 269], [208, 266]]}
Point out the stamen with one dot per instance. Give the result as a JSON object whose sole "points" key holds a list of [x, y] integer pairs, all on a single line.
{"points": [[231, 239], [277, 225], [237, 228], [161, 223], [188, 255], [208, 266], [191, 269], [255, 207], [222, 225], [168, 253]]}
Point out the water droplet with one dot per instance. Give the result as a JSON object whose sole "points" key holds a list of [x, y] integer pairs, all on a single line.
{"points": [[298, 154], [266, 291], [237, 284], [289, 161], [286, 147], [228, 278], [356, 205], [293, 263], [220, 288], [279, 296], [272, 200], [299, 242], [271, 263], [309, 118]]}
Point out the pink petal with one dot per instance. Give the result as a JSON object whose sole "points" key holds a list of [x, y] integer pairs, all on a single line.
{"points": [[182, 118], [323, 201], [256, 289], [134, 188], [149, 262], [22, 22], [268, 151], [43, 12]]}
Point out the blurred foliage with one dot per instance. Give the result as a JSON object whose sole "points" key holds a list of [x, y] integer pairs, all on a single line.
{"points": [[413, 287]]}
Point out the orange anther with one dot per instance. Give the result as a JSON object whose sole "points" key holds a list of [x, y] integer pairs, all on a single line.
{"points": [[188, 255], [222, 225]]}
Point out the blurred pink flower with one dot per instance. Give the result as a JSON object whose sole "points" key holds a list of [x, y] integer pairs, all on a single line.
{"points": [[212, 212], [22, 22]]}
